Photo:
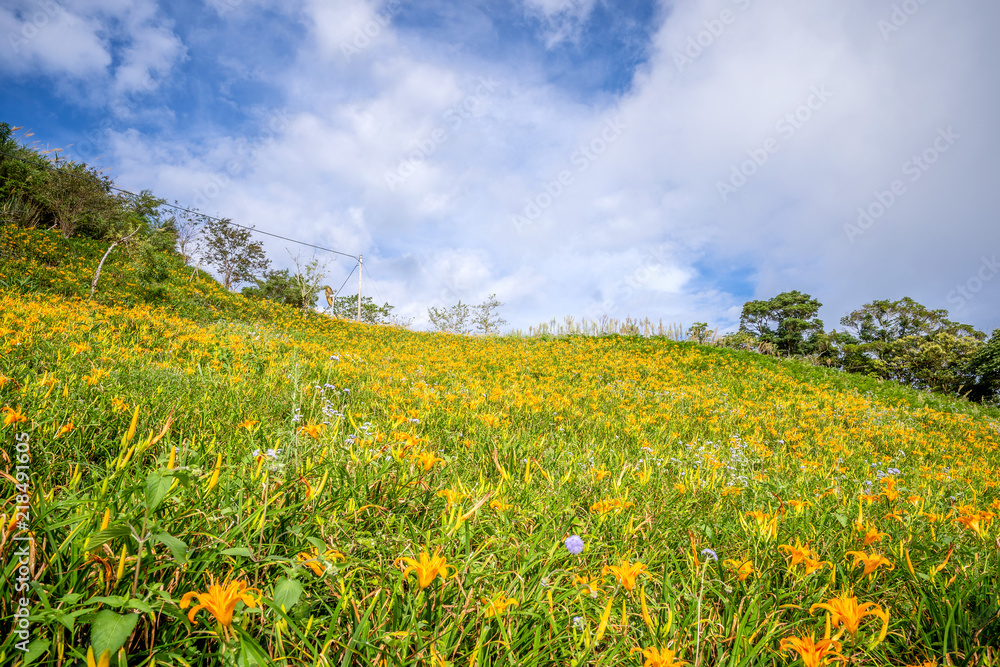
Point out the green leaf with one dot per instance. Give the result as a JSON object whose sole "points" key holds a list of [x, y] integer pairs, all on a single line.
{"points": [[286, 593], [238, 551], [106, 535], [112, 600], [35, 650], [157, 486], [176, 546], [136, 603], [842, 519], [110, 631]]}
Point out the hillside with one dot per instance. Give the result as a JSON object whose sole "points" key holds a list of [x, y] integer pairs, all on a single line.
{"points": [[178, 435]]}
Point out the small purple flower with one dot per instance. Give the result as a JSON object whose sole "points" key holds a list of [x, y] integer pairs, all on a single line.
{"points": [[574, 544], [710, 554]]}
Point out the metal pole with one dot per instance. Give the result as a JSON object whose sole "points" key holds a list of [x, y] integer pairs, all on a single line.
{"points": [[360, 267]]}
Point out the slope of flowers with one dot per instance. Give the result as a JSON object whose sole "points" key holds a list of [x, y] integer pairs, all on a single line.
{"points": [[307, 491]]}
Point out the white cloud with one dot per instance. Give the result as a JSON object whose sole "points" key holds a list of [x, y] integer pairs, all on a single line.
{"points": [[640, 228]]}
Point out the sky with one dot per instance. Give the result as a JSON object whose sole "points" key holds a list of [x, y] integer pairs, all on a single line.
{"points": [[584, 158]]}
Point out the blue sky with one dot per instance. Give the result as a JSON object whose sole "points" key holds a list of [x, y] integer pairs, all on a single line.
{"points": [[669, 160]]}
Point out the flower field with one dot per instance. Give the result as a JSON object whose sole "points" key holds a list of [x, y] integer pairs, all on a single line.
{"points": [[296, 490]]}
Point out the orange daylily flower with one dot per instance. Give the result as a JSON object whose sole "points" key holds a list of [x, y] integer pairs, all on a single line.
{"points": [[426, 459], [498, 605], [427, 567], [13, 416], [659, 657], [312, 430], [845, 611], [742, 569], [220, 601], [313, 561], [625, 572], [592, 585], [871, 561], [813, 653]]}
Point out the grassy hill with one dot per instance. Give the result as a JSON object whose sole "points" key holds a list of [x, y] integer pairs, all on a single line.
{"points": [[173, 436]]}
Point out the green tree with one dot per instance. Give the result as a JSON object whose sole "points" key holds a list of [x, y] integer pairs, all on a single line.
{"points": [[229, 249], [451, 320], [984, 367], [274, 286], [909, 343], [486, 316], [783, 321], [346, 307]]}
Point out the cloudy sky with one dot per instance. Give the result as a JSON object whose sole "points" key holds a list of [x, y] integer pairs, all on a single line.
{"points": [[669, 160]]}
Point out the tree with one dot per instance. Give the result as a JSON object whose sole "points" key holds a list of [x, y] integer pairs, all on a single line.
{"points": [[274, 286], [486, 317], [308, 279], [783, 321], [450, 320], [346, 307], [187, 227], [984, 367], [229, 249], [909, 343]]}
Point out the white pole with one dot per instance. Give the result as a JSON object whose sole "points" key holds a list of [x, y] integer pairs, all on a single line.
{"points": [[360, 267]]}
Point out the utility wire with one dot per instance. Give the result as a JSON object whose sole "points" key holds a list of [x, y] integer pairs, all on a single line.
{"points": [[197, 213]]}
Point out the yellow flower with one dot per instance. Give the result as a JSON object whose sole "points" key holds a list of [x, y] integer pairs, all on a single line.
{"points": [[118, 405], [313, 562], [103, 661], [427, 567], [450, 497], [247, 424], [871, 561], [658, 657], [426, 459], [872, 534], [742, 569], [220, 601], [592, 585], [799, 505], [626, 573], [979, 523], [66, 428], [313, 430], [846, 611], [814, 654], [12, 416], [797, 552], [498, 605], [214, 480]]}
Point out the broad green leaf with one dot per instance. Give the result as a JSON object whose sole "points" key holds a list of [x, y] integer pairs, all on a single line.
{"points": [[286, 593], [35, 650], [177, 547], [157, 486], [110, 631], [238, 551], [106, 535]]}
